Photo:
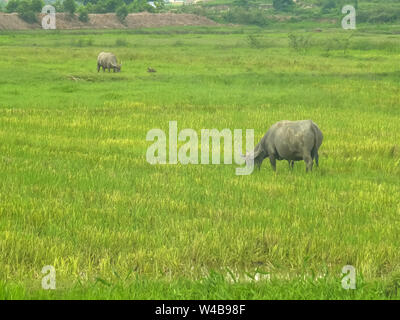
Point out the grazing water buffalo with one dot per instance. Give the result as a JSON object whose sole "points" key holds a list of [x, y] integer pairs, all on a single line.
{"points": [[291, 141], [108, 60]]}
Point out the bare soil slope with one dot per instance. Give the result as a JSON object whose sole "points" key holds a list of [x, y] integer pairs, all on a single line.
{"points": [[107, 21]]}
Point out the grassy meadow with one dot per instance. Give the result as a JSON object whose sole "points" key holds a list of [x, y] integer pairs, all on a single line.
{"points": [[77, 193]]}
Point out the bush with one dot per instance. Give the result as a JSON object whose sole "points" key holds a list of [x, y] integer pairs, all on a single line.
{"points": [[338, 44], [122, 13], [90, 8], [12, 6], [385, 15], [242, 3], [254, 42], [37, 5], [328, 5], [58, 5], [140, 6], [159, 4], [246, 16], [70, 6], [83, 14], [299, 43], [25, 5], [103, 6], [25, 11], [283, 5], [28, 16], [121, 43]]}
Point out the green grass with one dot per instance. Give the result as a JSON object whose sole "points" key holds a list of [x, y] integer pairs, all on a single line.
{"points": [[77, 193]]}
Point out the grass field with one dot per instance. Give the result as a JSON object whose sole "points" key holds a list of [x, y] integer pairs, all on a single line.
{"points": [[77, 193]]}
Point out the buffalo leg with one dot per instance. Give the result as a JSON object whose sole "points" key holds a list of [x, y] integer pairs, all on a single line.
{"points": [[309, 163], [273, 162], [316, 158]]}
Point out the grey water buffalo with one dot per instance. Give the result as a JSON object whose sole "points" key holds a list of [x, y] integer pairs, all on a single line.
{"points": [[107, 60], [288, 140]]}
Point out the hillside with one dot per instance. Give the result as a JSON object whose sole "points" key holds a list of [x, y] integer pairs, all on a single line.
{"points": [[108, 21], [243, 12]]}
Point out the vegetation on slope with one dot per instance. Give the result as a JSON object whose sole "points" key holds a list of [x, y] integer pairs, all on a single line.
{"points": [[248, 12]]}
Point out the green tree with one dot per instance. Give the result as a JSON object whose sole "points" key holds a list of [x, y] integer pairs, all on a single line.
{"points": [[122, 13], [25, 11], [12, 6], [58, 5], [113, 5], [37, 5], [159, 4], [83, 14], [100, 6], [328, 5], [283, 5], [70, 6], [140, 6], [242, 3], [89, 8]]}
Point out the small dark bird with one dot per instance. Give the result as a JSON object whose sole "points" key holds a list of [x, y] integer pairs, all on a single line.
{"points": [[151, 70]]}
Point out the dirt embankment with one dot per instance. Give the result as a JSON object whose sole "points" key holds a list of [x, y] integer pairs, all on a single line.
{"points": [[11, 21]]}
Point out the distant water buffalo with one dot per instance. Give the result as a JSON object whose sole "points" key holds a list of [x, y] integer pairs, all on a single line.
{"points": [[107, 60], [291, 141]]}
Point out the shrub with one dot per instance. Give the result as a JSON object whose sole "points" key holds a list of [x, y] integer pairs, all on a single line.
{"points": [[121, 43], [328, 5], [83, 14], [58, 5], [140, 6], [338, 44], [283, 5], [159, 4], [25, 11], [70, 6], [242, 3], [243, 16], [12, 6], [299, 43], [103, 6], [254, 42], [28, 16], [122, 13], [37, 5]]}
